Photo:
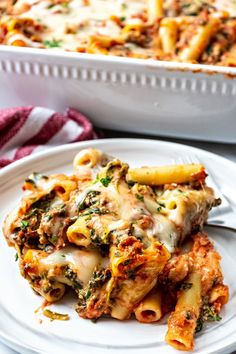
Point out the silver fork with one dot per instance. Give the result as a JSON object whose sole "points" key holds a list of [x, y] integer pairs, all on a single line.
{"points": [[222, 215]]}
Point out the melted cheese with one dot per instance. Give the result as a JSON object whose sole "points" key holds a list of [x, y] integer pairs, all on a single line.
{"points": [[83, 20], [27, 41], [226, 5], [165, 231], [83, 262], [168, 225], [127, 208]]}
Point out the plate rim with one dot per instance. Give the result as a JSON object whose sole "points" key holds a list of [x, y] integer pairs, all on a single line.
{"points": [[67, 147]]}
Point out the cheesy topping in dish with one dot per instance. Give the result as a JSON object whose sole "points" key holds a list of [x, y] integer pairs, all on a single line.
{"points": [[177, 30], [115, 236]]}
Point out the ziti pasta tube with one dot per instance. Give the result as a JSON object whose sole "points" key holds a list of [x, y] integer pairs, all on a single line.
{"points": [[168, 35], [149, 309], [155, 10], [182, 322], [199, 41], [167, 174]]}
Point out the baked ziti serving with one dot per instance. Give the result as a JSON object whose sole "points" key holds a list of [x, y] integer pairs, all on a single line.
{"points": [[195, 31], [128, 241]]}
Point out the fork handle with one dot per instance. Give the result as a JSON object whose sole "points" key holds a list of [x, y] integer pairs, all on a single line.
{"points": [[220, 226]]}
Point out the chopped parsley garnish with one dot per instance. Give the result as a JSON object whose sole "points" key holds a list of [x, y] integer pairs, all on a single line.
{"points": [[105, 181], [24, 224], [139, 197], [16, 257], [54, 43], [122, 18]]}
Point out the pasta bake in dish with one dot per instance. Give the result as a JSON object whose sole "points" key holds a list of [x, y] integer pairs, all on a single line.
{"points": [[129, 241], [195, 31]]}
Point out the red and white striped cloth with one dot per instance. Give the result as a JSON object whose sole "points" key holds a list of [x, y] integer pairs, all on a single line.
{"points": [[26, 130]]}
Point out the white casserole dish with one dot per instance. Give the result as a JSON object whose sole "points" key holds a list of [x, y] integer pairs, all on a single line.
{"points": [[144, 96]]}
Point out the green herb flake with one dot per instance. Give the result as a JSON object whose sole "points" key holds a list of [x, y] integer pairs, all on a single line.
{"points": [[65, 5], [55, 315], [199, 325], [124, 6], [24, 224], [95, 210], [127, 262], [16, 257], [81, 206], [210, 314], [47, 217], [207, 313], [122, 18], [105, 181], [88, 294], [188, 315], [170, 235], [54, 239], [160, 207], [185, 286], [131, 183], [139, 197], [54, 43]]}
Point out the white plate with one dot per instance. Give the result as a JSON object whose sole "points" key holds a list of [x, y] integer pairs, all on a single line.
{"points": [[19, 326]]}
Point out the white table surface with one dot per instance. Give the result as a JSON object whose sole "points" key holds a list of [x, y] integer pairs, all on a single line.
{"points": [[225, 150]]}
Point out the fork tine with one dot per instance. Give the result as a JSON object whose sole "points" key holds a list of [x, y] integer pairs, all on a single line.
{"points": [[225, 205]]}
